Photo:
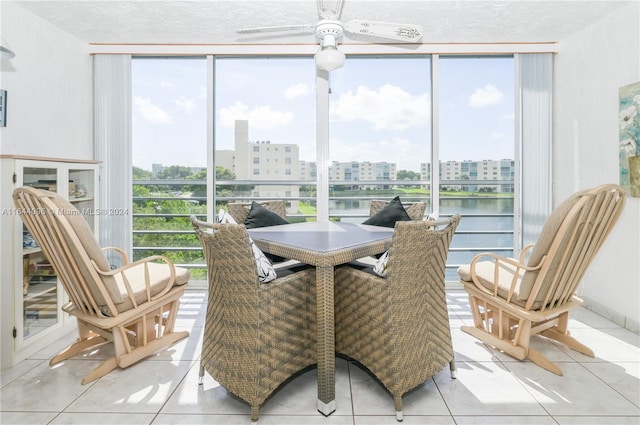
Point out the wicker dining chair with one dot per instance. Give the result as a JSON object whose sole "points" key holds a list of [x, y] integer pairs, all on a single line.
{"points": [[513, 299], [415, 211], [256, 335], [398, 326], [240, 210], [133, 306]]}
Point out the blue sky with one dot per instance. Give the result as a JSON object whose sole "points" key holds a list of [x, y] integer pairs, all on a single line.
{"points": [[380, 108]]}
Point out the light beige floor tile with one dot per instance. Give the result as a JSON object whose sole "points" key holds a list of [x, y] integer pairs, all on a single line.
{"points": [[612, 345], [226, 419], [410, 420], [192, 313], [622, 377], [486, 388], [597, 420], [504, 420], [470, 348], [198, 419], [141, 388], [188, 348], [103, 418], [207, 399], [315, 419], [10, 374], [577, 392], [47, 388], [554, 351], [300, 396], [55, 347], [31, 418], [370, 397]]}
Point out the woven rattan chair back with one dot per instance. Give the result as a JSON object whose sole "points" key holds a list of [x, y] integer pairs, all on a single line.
{"points": [[415, 210], [240, 210], [512, 299], [133, 306], [398, 326], [256, 335]]}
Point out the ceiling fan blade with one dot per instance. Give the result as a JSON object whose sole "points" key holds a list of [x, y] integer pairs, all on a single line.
{"points": [[400, 32], [330, 9], [299, 29]]}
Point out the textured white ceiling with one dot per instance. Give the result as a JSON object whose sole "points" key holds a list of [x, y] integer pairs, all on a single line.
{"points": [[215, 21]]}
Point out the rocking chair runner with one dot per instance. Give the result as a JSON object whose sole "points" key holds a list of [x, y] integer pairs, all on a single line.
{"points": [[513, 299], [133, 306]]}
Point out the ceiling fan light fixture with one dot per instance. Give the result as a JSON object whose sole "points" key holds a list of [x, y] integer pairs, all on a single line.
{"points": [[329, 57]]}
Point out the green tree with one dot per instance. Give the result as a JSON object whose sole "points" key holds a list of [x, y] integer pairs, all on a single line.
{"points": [[140, 174], [407, 175], [175, 172]]}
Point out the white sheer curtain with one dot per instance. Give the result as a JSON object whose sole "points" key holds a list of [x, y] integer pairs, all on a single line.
{"points": [[112, 138], [534, 76]]}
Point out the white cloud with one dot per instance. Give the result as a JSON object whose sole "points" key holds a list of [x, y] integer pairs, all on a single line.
{"points": [[485, 96], [260, 117], [300, 89], [389, 107], [185, 104], [150, 112]]}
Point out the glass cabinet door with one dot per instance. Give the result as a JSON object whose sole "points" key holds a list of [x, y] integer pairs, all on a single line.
{"points": [[41, 297]]}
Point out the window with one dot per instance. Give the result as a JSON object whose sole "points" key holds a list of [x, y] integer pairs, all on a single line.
{"points": [[380, 140], [267, 105], [477, 131], [380, 127], [169, 127]]}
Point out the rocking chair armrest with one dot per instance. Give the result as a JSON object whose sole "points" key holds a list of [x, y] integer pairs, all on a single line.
{"points": [[145, 261], [123, 255], [498, 260], [524, 252]]}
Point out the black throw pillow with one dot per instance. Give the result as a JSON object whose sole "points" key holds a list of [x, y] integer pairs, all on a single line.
{"points": [[388, 216], [259, 216]]}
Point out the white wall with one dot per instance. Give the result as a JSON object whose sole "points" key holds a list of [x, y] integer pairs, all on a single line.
{"points": [[49, 86], [589, 68]]}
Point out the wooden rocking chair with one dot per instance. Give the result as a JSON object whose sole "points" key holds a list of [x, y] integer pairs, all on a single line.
{"points": [[511, 300], [133, 306]]}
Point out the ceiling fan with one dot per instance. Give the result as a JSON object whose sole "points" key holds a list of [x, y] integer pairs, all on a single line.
{"points": [[329, 31]]}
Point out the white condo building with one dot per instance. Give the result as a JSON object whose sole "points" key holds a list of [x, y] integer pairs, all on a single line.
{"points": [[263, 160]]}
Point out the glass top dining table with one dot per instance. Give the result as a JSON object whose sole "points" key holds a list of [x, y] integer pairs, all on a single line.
{"points": [[324, 244]]}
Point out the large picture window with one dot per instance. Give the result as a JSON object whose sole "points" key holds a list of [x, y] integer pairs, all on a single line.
{"points": [[382, 143]]}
